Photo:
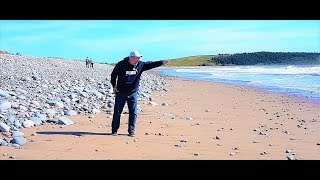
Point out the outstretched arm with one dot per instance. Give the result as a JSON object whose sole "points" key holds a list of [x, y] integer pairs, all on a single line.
{"points": [[153, 64]]}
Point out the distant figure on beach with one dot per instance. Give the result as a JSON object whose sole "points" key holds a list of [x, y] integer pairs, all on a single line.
{"points": [[91, 62], [128, 71], [87, 62]]}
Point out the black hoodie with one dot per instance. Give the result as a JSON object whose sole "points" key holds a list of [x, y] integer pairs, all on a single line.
{"points": [[129, 75]]}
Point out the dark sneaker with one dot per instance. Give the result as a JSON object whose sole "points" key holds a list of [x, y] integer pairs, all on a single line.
{"points": [[114, 134], [132, 134]]}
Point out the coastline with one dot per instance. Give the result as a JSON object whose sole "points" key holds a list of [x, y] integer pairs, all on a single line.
{"points": [[297, 97], [213, 121]]}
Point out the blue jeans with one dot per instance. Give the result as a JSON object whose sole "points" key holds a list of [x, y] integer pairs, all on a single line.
{"points": [[132, 101]]}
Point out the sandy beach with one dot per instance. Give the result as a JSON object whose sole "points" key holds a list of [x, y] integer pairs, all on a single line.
{"points": [[203, 120]]}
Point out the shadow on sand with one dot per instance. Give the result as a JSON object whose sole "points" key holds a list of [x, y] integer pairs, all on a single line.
{"points": [[76, 133]]}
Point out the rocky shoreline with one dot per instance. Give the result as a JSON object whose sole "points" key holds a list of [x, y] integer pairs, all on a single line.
{"points": [[38, 90]]}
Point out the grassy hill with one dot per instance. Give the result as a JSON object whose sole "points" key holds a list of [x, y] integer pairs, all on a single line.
{"points": [[201, 60], [268, 58]]}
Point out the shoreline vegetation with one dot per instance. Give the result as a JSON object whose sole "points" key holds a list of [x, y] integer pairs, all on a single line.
{"points": [[256, 58]]}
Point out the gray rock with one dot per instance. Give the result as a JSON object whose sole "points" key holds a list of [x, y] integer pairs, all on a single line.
{"points": [[3, 143], [59, 105], [71, 113], [11, 119], [164, 104], [96, 111], [169, 115], [27, 123], [152, 103], [28, 79], [97, 93], [17, 134], [22, 97], [65, 100], [23, 108], [263, 133], [4, 127], [42, 117], [290, 157], [34, 78], [84, 94], [14, 128], [19, 140], [51, 112], [73, 96], [4, 105], [51, 103], [17, 124], [65, 121], [36, 120], [4, 93]]}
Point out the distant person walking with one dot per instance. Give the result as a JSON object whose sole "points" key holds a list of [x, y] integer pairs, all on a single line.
{"points": [[91, 62], [125, 79], [87, 62]]}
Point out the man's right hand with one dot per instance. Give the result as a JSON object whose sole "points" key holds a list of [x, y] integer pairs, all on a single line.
{"points": [[115, 90]]}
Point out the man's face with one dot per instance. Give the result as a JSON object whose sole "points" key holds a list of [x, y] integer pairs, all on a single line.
{"points": [[134, 60]]}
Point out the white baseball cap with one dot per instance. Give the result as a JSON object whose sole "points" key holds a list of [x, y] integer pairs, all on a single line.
{"points": [[135, 53]]}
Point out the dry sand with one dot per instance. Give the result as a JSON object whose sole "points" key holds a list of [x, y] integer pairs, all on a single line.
{"points": [[227, 111]]}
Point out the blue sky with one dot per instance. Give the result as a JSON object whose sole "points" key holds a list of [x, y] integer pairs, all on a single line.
{"points": [[111, 40]]}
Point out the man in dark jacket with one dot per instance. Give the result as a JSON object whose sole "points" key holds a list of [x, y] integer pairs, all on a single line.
{"points": [[125, 79]]}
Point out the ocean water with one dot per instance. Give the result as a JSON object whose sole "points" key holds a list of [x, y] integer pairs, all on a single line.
{"points": [[301, 81]]}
